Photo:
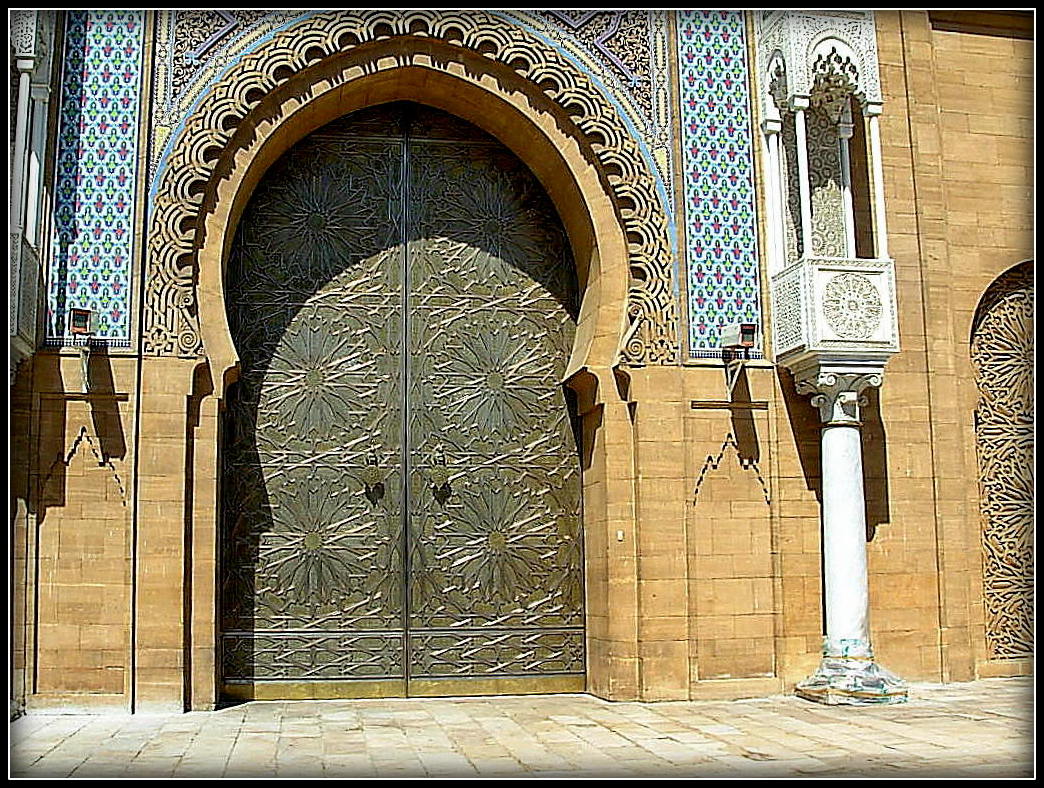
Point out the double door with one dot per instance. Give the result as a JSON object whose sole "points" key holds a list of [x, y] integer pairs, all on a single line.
{"points": [[400, 473]]}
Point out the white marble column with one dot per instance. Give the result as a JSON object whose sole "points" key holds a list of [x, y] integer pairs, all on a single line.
{"points": [[872, 111], [24, 66], [772, 126], [799, 104], [847, 673], [844, 134]]}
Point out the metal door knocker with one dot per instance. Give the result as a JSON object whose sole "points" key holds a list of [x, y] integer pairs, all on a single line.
{"points": [[440, 475], [373, 478]]}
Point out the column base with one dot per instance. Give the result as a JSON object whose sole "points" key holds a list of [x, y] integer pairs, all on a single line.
{"points": [[852, 681]]}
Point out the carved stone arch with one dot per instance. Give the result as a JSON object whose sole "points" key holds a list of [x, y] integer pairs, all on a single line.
{"points": [[836, 70], [799, 35], [335, 62], [776, 81], [1002, 356], [830, 43]]}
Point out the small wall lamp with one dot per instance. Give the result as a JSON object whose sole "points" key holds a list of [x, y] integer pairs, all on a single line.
{"points": [[80, 325], [735, 337]]}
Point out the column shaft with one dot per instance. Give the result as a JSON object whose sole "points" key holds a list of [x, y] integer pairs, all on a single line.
{"points": [[847, 674], [804, 188], [846, 194], [844, 541], [881, 235], [773, 203], [20, 151]]}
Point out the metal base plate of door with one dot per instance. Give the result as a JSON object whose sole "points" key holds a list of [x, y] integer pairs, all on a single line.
{"points": [[400, 469]]}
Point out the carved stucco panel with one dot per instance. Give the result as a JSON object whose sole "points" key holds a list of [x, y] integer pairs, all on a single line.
{"points": [[1002, 354]]}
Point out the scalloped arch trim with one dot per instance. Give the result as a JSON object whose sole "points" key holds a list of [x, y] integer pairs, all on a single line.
{"points": [[170, 322]]}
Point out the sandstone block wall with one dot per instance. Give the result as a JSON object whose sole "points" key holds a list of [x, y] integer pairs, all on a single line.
{"points": [[702, 532]]}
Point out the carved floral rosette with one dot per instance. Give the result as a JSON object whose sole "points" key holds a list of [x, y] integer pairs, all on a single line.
{"points": [[171, 320]]}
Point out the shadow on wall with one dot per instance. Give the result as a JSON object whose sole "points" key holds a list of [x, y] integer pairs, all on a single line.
{"points": [[805, 426], [743, 427], [105, 413], [875, 464], [104, 435]]}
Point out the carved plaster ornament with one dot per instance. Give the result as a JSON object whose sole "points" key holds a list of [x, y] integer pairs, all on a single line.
{"points": [[852, 306]]}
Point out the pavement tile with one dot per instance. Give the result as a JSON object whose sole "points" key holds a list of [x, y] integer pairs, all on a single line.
{"points": [[975, 730]]}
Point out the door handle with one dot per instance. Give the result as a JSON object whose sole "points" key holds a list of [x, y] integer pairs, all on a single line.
{"points": [[439, 475], [373, 479]]}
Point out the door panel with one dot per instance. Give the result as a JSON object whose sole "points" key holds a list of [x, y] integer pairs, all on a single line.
{"points": [[332, 572], [494, 475], [312, 568]]}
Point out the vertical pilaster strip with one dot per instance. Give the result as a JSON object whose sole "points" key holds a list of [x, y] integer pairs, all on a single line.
{"points": [[96, 179], [159, 572], [718, 173], [877, 170], [914, 145], [202, 570]]}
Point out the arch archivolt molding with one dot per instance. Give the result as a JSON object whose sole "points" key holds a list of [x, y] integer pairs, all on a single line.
{"points": [[365, 44]]}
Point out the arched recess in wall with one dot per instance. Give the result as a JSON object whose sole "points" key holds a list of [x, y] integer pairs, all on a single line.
{"points": [[470, 64], [1002, 355]]}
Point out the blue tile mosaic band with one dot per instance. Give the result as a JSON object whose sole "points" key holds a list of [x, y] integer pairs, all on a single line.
{"points": [[718, 166], [96, 178]]}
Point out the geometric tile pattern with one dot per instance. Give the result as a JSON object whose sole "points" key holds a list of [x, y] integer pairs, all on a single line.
{"points": [[718, 167], [96, 176]]}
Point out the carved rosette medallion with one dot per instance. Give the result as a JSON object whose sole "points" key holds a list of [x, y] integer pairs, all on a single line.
{"points": [[852, 306]]}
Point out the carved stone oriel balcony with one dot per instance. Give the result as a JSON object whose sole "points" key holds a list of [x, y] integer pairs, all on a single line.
{"points": [[25, 304], [834, 309]]}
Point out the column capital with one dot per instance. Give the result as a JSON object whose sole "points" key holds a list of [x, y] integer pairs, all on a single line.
{"points": [[838, 394], [845, 127], [873, 109], [800, 103], [40, 92]]}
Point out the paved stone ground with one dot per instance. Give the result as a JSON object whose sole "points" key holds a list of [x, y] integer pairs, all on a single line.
{"points": [[978, 729]]}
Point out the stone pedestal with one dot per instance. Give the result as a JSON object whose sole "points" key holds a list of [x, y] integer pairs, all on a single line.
{"points": [[847, 673]]}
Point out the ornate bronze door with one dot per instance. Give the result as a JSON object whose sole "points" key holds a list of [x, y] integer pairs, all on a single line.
{"points": [[400, 474]]}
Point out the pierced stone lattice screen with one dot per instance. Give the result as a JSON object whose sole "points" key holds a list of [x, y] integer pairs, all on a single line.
{"points": [[1002, 353], [824, 164]]}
